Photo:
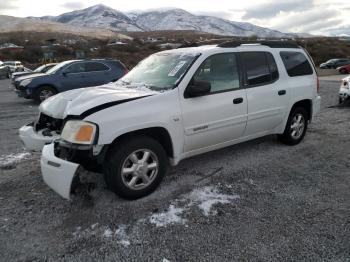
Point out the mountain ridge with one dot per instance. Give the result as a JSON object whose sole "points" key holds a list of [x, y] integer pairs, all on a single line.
{"points": [[102, 16]]}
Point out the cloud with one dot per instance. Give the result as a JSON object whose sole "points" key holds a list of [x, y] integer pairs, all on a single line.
{"points": [[7, 5], [274, 8], [308, 21], [73, 5]]}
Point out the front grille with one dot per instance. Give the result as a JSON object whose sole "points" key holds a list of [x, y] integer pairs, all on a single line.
{"points": [[48, 122]]}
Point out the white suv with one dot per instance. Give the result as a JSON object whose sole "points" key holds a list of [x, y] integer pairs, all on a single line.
{"points": [[171, 106]]}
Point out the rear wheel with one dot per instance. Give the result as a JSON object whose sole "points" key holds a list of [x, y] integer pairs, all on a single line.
{"points": [[44, 93], [134, 168], [296, 127]]}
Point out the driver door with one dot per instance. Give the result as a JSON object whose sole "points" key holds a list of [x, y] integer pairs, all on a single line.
{"points": [[219, 117], [73, 76]]}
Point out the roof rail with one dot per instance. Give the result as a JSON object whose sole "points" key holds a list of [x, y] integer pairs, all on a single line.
{"points": [[271, 43]]}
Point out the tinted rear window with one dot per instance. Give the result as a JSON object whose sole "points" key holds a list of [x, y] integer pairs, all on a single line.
{"points": [[95, 66], [296, 64], [259, 67]]}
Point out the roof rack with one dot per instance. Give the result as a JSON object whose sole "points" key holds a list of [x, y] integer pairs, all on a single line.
{"points": [[271, 43]]}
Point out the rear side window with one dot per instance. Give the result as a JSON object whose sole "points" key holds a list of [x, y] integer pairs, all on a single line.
{"points": [[296, 64], [259, 68], [95, 66]]}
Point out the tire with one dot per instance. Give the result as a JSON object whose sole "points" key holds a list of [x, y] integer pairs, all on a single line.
{"points": [[140, 178], [43, 93], [343, 71], [293, 136]]}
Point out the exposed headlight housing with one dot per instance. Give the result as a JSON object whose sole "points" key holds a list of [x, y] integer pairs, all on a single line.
{"points": [[25, 82], [79, 132]]}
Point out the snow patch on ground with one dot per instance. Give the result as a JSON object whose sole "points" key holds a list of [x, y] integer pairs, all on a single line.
{"points": [[7, 160], [108, 233], [121, 235], [171, 216], [207, 197]]}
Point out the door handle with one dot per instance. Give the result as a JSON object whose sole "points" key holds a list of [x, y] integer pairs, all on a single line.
{"points": [[238, 100], [282, 92]]}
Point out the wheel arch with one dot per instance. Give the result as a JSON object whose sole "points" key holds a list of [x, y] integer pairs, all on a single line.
{"points": [[306, 104], [48, 85], [160, 134]]}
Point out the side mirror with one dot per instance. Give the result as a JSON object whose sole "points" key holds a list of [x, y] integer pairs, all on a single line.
{"points": [[197, 88], [64, 73]]}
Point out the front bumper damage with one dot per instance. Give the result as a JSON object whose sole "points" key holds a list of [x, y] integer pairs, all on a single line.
{"points": [[344, 93], [33, 140], [57, 173], [63, 163], [44, 131]]}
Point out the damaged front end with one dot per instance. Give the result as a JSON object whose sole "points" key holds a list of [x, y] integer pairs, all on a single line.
{"points": [[40, 133], [62, 162]]}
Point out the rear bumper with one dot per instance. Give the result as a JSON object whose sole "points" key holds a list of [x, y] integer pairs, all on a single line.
{"points": [[316, 106], [57, 173], [33, 140]]}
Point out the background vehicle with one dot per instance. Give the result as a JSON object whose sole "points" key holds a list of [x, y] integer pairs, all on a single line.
{"points": [[69, 75], [40, 69], [15, 66], [4, 70], [173, 105], [344, 69], [335, 63], [344, 91]]}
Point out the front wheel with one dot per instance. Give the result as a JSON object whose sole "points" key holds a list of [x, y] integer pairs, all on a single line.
{"points": [[44, 93], [296, 127], [135, 167]]}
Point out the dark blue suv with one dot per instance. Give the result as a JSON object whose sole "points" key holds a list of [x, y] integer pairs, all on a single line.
{"points": [[70, 75]]}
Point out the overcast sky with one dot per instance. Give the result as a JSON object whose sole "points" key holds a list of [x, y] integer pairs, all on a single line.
{"points": [[326, 17]]}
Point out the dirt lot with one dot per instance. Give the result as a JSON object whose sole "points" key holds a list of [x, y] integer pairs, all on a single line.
{"points": [[259, 201]]}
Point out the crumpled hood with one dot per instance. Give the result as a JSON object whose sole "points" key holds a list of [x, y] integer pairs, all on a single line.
{"points": [[77, 101]]}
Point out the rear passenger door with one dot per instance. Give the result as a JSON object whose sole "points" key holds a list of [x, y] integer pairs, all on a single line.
{"points": [[267, 97], [96, 73]]}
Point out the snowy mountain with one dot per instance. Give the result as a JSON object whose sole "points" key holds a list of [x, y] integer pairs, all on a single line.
{"points": [[172, 19]]}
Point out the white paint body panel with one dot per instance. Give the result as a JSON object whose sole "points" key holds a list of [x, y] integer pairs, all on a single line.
{"points": [[34, 141], [57, 173]]}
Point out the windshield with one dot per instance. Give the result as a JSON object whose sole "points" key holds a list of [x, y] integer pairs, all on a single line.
{"points": [[39, 69], [58, 67], [159, 71]]}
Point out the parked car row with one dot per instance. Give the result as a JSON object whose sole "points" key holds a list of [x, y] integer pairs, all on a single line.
{"points": [[173, 105], [73, 74], [342, 65]]}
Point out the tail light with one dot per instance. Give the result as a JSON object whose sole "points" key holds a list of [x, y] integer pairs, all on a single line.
{"points": [[318, 85]]}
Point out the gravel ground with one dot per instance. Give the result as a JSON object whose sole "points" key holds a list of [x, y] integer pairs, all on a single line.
{"points": [[258, 201]]}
